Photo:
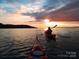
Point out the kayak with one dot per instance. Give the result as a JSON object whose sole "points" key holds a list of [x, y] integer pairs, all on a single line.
{"points": [[38, 52], [51, 37]]}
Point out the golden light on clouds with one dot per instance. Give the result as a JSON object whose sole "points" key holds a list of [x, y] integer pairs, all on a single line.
{"points": [[69, 24], [46, 21], [17, 19], [50, 24]]}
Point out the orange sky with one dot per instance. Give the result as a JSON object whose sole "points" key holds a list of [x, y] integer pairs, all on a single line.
{"points": [[60, 24]]}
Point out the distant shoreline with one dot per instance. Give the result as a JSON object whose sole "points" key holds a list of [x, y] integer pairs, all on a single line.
{"points": [[7, 26], [16, 28]]}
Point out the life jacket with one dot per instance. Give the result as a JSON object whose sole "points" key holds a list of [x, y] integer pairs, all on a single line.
{"points": [[48, 33]]}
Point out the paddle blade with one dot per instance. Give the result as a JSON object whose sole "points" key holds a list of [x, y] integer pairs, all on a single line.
{"points": [[55, 26]]}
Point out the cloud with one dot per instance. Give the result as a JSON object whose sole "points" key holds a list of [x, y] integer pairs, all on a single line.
{"points": [[17, 19], [32, 10], [67, 12], [22, 9], [2, 12], [39, 10]]}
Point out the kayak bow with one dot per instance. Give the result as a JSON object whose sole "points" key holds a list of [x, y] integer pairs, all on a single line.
{"points": [[38, 52]]}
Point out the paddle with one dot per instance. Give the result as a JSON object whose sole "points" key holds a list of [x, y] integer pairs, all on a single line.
{"points": [[54, 26]]}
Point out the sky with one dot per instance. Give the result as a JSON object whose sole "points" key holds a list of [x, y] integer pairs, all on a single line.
{"points": [[22, 11]]}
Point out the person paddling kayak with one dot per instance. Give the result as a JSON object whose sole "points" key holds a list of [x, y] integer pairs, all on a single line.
{"points": [[48, 32], [49, 35]]}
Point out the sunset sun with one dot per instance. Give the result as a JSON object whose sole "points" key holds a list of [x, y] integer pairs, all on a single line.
{"points": [[49, 23]]}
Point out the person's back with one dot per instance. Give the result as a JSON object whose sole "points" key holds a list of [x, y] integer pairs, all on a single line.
{"points": [[48, 33]]}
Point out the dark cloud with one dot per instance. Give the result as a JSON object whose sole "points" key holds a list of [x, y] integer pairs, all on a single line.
{"points": [[70, 12]]}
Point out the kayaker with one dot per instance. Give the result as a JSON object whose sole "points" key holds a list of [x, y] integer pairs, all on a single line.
{"points": [[49, 35], [48, 32]]}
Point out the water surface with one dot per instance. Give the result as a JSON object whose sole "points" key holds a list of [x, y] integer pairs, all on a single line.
{"points": [[17, 43]]}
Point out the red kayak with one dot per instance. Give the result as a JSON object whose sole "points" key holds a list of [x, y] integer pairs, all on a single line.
{"points": [[38, 52]]}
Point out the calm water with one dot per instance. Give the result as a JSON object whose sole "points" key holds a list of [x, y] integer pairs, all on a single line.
{"points": [[17, 43]]}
